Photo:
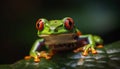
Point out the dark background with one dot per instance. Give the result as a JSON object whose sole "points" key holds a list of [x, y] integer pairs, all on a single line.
{"points": [[18, 17]]}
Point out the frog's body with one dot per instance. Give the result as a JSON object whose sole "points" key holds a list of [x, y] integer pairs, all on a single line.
{"points": [[61, 35], [60, 42]]}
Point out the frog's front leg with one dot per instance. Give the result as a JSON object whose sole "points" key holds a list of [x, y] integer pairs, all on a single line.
{"points": [[33, 52], [36, 54], [91, 43], [90, 46]]}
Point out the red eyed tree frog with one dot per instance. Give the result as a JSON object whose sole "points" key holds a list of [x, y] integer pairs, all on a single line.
{"points": [[61, 35]]}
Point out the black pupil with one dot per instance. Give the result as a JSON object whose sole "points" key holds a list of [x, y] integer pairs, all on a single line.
{"points": [[38, 24], [70, 23]]}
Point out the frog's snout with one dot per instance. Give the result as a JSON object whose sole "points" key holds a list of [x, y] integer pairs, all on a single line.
{"points": [[53, 29]]}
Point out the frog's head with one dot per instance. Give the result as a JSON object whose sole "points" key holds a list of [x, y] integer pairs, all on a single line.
{"points": [[45, 27]]}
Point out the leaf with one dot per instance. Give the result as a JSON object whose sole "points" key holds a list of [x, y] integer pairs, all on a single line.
{"points": [[107, 58]]}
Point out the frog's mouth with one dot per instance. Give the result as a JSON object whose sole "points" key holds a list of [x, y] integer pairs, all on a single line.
{"points": [[59, 38]]}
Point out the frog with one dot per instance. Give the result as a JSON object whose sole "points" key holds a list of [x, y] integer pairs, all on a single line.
{"points": [[62, 35]]}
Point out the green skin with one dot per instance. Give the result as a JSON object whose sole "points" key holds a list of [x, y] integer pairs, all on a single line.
{"points": [[50, 28]]}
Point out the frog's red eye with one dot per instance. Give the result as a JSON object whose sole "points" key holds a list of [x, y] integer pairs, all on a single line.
{"points": [[68, 23], [40, 24]]}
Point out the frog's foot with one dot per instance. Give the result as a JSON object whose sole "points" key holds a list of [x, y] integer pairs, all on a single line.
{"points": [[89, 48], [36, 59], [99, 46], [78, 50]]}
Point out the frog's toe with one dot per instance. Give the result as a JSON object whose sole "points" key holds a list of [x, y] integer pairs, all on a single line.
{"points": [[100, 46], [45, 55], [94, 51], [75, 51], [27, 57], [85, 53], [48, 57], [36, 59], [78, 50]]}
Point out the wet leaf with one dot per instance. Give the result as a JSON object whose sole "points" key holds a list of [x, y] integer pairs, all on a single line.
{"points": [[107, 58]]}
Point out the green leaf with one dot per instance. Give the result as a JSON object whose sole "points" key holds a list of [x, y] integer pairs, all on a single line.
{"points": [[107, 58]]}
